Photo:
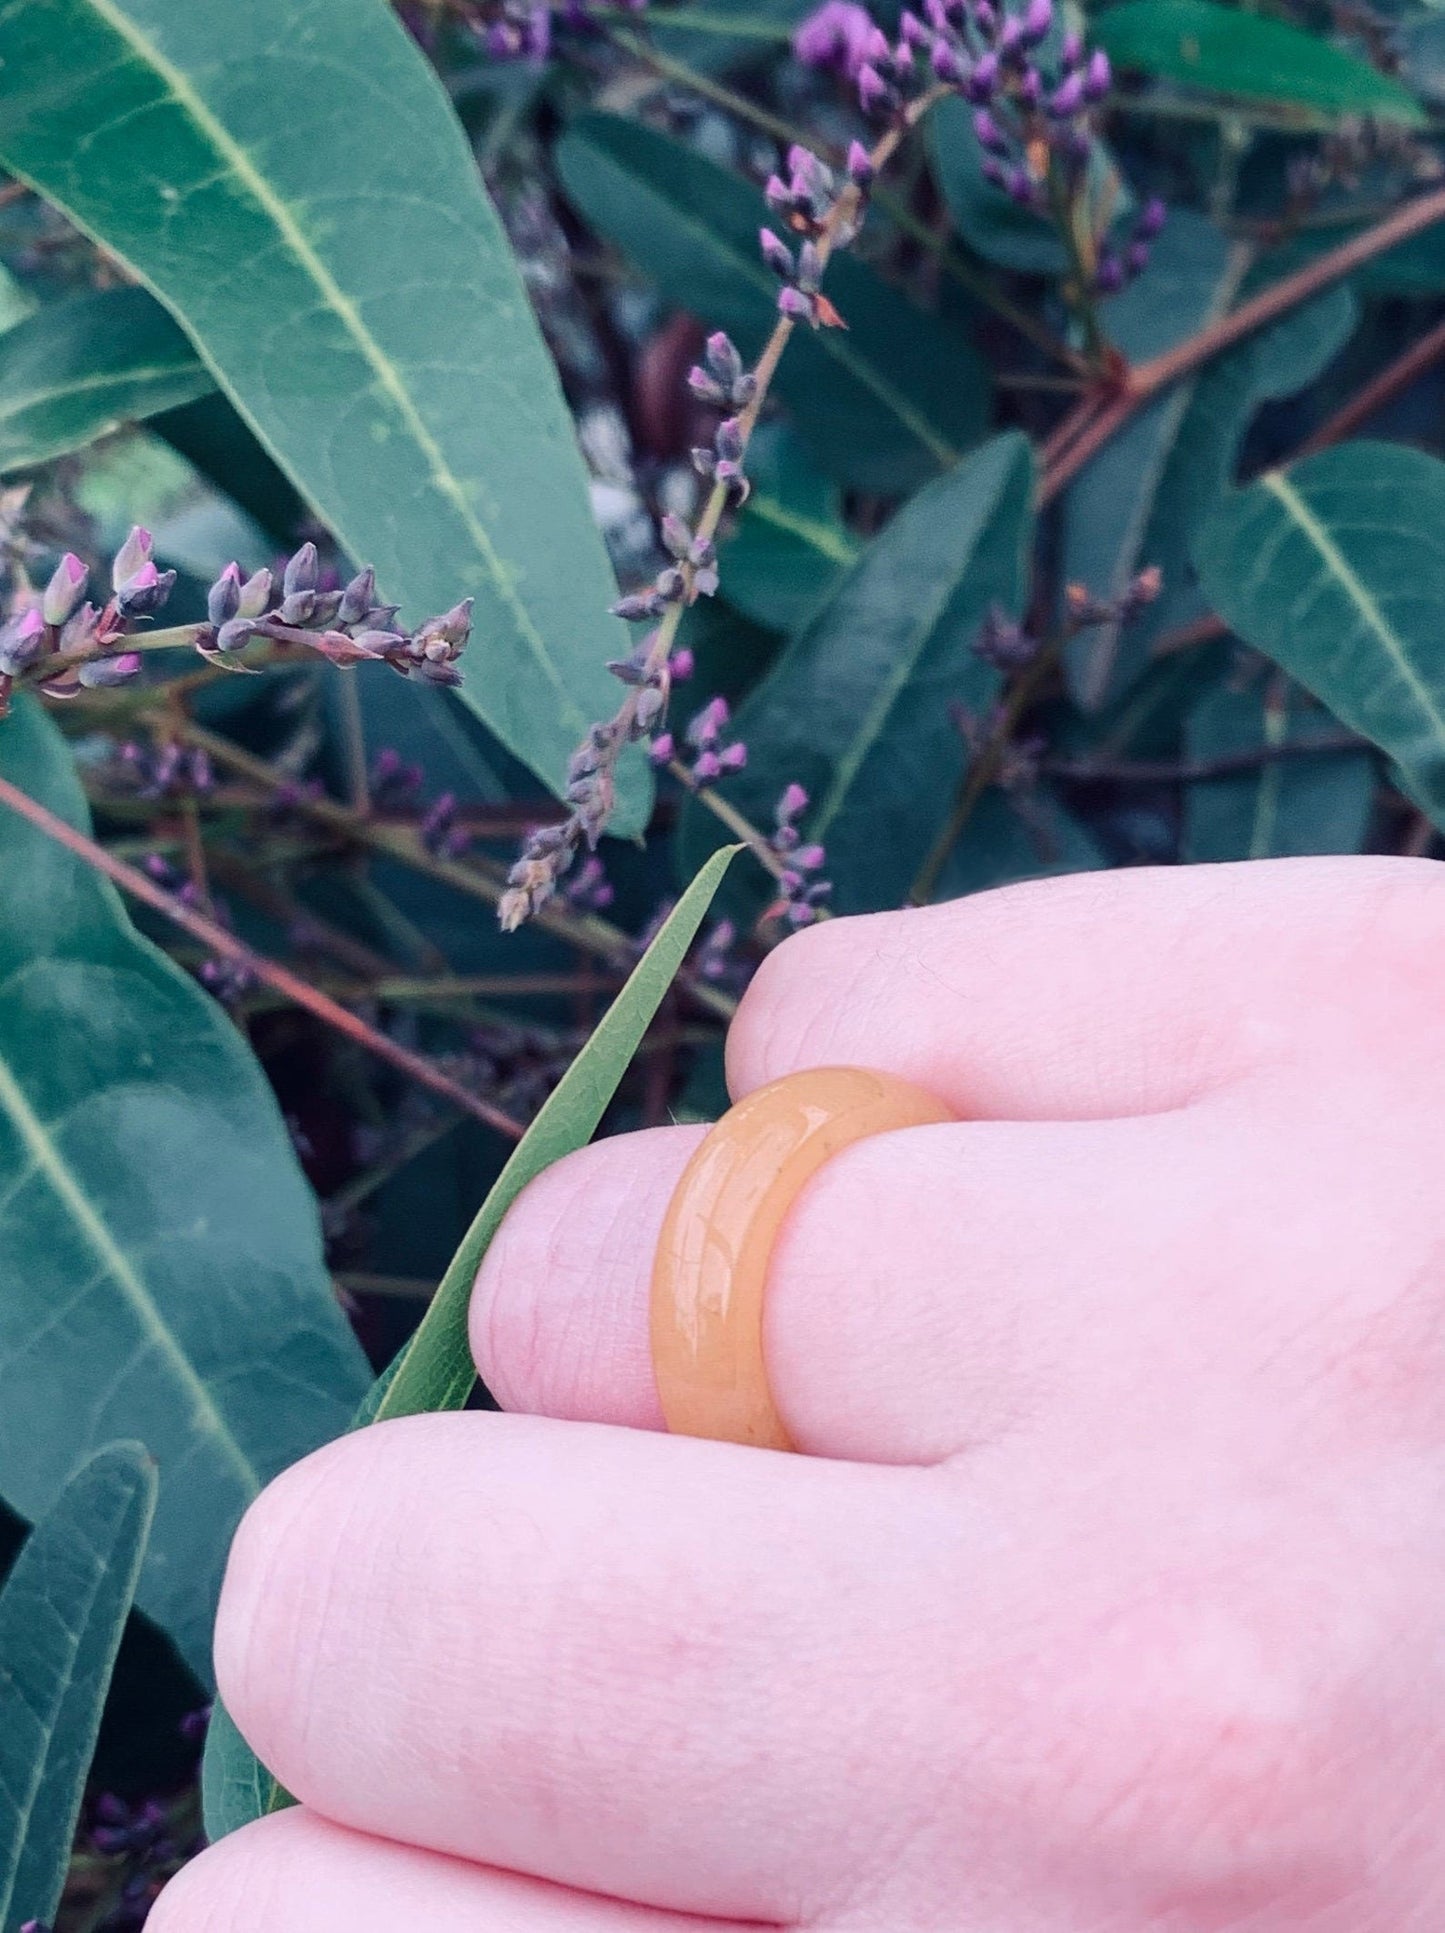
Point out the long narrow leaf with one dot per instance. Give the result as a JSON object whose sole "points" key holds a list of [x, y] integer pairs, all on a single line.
{"points": [[435, 1370], [62, 1613]]}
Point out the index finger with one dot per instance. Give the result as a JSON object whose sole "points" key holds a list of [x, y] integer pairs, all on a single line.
{"points": [[1094, 995]]}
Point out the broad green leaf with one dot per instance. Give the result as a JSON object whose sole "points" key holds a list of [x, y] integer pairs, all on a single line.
{"points": [[893, 398], [435, 1370], [289, 178], [1335, 569], [77, 370], [1249, 57], [161, 1273], [790, 543], [1191, 281], [1291, 807], [857, 710], [62, 1612], [1145, 495], [1033, 836]]}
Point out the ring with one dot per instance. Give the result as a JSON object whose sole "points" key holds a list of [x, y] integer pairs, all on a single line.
{"points": [[709, 1278]]}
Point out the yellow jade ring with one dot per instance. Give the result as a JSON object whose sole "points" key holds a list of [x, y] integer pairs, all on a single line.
{"points": [[710, 1275]]}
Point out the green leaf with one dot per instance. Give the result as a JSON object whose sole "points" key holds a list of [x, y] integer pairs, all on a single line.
{"points": [[857, 708], [1335, 569], [1192, 279], [435, 1370], [891, 399], [1289, 808], [161, 1273], [289, 178], [62, 1613], [1142, 499], [1007, 839], [790, 544], [78, 370], [1249, 57]]}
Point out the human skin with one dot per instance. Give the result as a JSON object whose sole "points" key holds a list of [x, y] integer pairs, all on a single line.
{"points": [[1108, 1595]]}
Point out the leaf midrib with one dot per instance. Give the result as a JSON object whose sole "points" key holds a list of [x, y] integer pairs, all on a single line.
{"points": [[48, 1162], [812, 531], [280, 212], [1356, 590]]}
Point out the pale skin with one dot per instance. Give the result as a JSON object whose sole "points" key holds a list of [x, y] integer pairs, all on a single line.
{"points": [[1109, 1593]]}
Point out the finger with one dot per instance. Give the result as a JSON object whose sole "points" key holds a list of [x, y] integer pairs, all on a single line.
{"points": [[930, 1289], [660, 1669], [1100, 994], [295, 1873]]}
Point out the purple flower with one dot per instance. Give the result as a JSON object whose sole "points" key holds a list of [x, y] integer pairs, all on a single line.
{"points": [[837, 36], [65, 589]]}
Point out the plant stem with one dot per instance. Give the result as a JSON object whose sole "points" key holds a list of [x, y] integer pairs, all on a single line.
{"points": [[1148, 379], [271, 972]]}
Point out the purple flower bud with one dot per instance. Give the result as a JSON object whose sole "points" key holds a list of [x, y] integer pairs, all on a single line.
{"points": [[101, 673], [1109, 276], [452, 628], [989, 134], [835, 35], [65, 589], [1038, 18], [21, 642], [146, 591], [358, 597], [235, 633], [1071, 51], [1011, 39], [946, 64], [872, 88], [676, 535], [223, 600], [255, 595], [1020, 186], [681, 665], [777, 194], [776, 254], [994, 172], [637, 607], [913, 29], [734, 758], [705, 728], [876, 47], [1067, 98], [1152, 218], [1031, 87], [728, 441], [301, 571], [860, 165], [793, 801], [982, 83], [135, 551], [1098, 76], [723, 359], [662, 749], [1136, 258], [795, 305], [807, 859], [703, 386], [706, 767]]}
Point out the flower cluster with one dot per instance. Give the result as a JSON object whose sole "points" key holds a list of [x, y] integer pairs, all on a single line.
{"points": [[227, 979], [1011, 647], [348, 625], [810, 203], [1034, 97], [61, 624], [704, 744], [722, 382], [524, 29], [802, 896], [170, 771]]}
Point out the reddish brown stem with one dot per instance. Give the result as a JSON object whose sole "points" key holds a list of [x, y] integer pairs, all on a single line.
{"points": [[1147, 380], [270, 972], [1391, 382]]}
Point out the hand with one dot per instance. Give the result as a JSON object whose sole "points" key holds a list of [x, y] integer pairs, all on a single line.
{"points": [[1110, 1594]]}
